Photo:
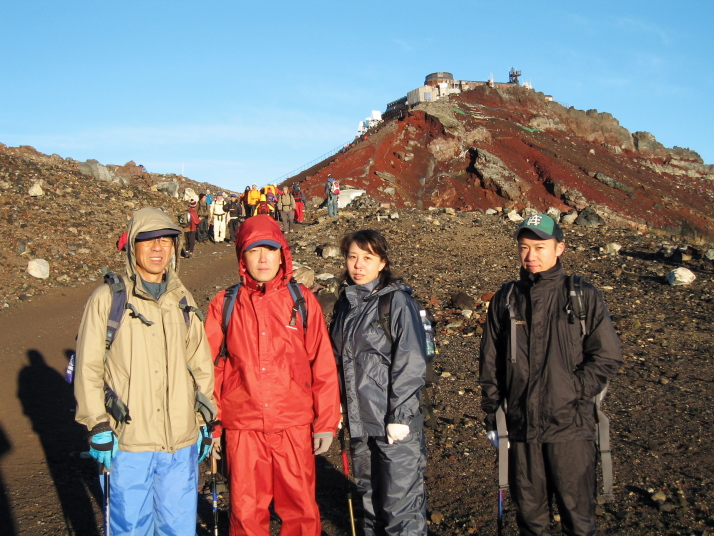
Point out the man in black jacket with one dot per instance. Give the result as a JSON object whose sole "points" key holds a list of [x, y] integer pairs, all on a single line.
{"points": [[546, 375]]}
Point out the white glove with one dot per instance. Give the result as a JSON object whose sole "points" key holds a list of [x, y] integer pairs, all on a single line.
{"points": [[320, 445], [492, 436], [216, 447], [396, 432]]}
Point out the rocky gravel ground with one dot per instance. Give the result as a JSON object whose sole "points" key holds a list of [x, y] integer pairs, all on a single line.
{"points": [[660, 405]]}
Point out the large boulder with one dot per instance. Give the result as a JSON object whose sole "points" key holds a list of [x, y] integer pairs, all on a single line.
{"points": [[94, 169], [347, 195], [170, 188], [496, 176], [646, 144], [589, 218]]}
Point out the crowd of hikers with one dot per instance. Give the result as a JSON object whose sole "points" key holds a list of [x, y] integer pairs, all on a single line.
{"points": [[217, 218], [262, 382]]}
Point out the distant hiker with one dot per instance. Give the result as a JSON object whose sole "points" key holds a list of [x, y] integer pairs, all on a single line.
{"points": [[253, 199], [271, 196], [136, 390], [546, 352], [244, 203], [263, 207], [382, 375], [332, 193], [276, 386], [299, 203], [190, 231], [219, 214], [209, 198], [286, 205], [121, 241], [204, 212], [234, 211]]}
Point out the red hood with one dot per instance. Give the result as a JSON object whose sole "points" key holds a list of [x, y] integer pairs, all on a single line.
{"points": [[263, 227]]}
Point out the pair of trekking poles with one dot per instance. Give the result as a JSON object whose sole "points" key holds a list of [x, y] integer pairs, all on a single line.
{"points": [[214, 498]]}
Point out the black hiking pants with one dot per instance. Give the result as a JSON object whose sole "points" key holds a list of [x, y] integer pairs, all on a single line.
{"points": [[390, 481], [565, 470]]}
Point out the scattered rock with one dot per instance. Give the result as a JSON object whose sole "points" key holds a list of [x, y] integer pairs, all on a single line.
{"points": [[36, 190], [613, 248], [331, 252], [38, 268], [681, 276], [569, 218]]}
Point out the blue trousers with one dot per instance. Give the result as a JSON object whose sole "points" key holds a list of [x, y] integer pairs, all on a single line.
{"points": [[332, 205], [154, 493]]}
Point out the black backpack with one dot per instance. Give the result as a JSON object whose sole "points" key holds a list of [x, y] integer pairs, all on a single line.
{"points": [[384, 311]]}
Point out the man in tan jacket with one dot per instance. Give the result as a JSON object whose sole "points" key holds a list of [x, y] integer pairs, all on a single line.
{"points": [[157, 366]]}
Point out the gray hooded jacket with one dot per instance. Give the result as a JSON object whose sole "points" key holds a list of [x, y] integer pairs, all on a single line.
{"points": [[381, 381]]}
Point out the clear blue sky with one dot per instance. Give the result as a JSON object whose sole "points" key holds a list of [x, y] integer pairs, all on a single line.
{"points": [[242, 92]]}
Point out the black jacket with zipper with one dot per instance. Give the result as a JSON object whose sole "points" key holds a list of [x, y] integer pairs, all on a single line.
{"points": [[550, 388], [381, 381]]}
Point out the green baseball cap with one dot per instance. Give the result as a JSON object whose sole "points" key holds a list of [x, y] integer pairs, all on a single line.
{"points": [[542, 225]]}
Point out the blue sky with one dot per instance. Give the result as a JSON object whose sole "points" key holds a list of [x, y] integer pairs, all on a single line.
{"points": [[241, 92]]}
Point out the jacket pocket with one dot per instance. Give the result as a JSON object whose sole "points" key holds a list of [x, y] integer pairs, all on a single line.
{"points": [[371, 367]]}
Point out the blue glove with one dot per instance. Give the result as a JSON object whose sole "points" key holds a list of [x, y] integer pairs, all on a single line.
{"points": [[204, 443], [103, 447]]}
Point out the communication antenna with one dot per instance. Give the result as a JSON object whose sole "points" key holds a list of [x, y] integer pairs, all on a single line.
{"points": [[513, 76]]}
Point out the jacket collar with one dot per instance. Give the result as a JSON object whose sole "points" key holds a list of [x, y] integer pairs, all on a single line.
{"points": [[555, 273]]}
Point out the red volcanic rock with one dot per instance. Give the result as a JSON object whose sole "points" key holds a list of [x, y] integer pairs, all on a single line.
{"points": [[510, 147]]}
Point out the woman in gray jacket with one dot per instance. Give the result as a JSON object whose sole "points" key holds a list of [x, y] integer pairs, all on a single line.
{"points": [[381, 379]]}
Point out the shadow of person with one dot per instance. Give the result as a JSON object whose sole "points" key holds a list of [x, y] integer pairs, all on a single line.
{"points": [[7, 522], [48, 401]]}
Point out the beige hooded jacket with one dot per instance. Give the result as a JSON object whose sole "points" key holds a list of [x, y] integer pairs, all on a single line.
{"points": [[146, 365]]}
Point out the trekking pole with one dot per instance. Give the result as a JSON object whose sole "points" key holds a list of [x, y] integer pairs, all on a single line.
{"points": [[500, 512], [214, 493], [502, 460], [346, 471], [107, 488]]}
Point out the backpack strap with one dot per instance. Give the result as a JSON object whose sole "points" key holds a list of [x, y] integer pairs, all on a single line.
{"points": [[384, 314], [229, 301], [576, 309], [187, 309], [298, 304], [575, 306], [116, 312], [512, 319]]}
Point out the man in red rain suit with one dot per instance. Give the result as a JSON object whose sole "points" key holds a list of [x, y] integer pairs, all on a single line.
{"points": [[276, 390]]}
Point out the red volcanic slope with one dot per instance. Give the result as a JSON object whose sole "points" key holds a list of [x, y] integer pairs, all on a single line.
{"points": [[429, 157]]}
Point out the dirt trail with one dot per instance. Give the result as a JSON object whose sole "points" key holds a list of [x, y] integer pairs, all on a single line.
{"points": [[44, 487]]}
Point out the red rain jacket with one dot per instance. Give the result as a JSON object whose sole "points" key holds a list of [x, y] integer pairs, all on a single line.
{"points": [[275, 375]]}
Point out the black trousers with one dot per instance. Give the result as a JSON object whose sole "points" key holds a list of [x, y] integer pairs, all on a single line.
{"points": [[233, 228], [190, 241], [565, 470], [390, 481]]}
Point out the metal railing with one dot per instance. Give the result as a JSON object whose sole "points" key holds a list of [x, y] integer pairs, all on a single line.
{"points": [[317, 160]]}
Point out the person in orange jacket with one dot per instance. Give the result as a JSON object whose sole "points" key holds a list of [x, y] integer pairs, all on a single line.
{"points": [[276, 389]]}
